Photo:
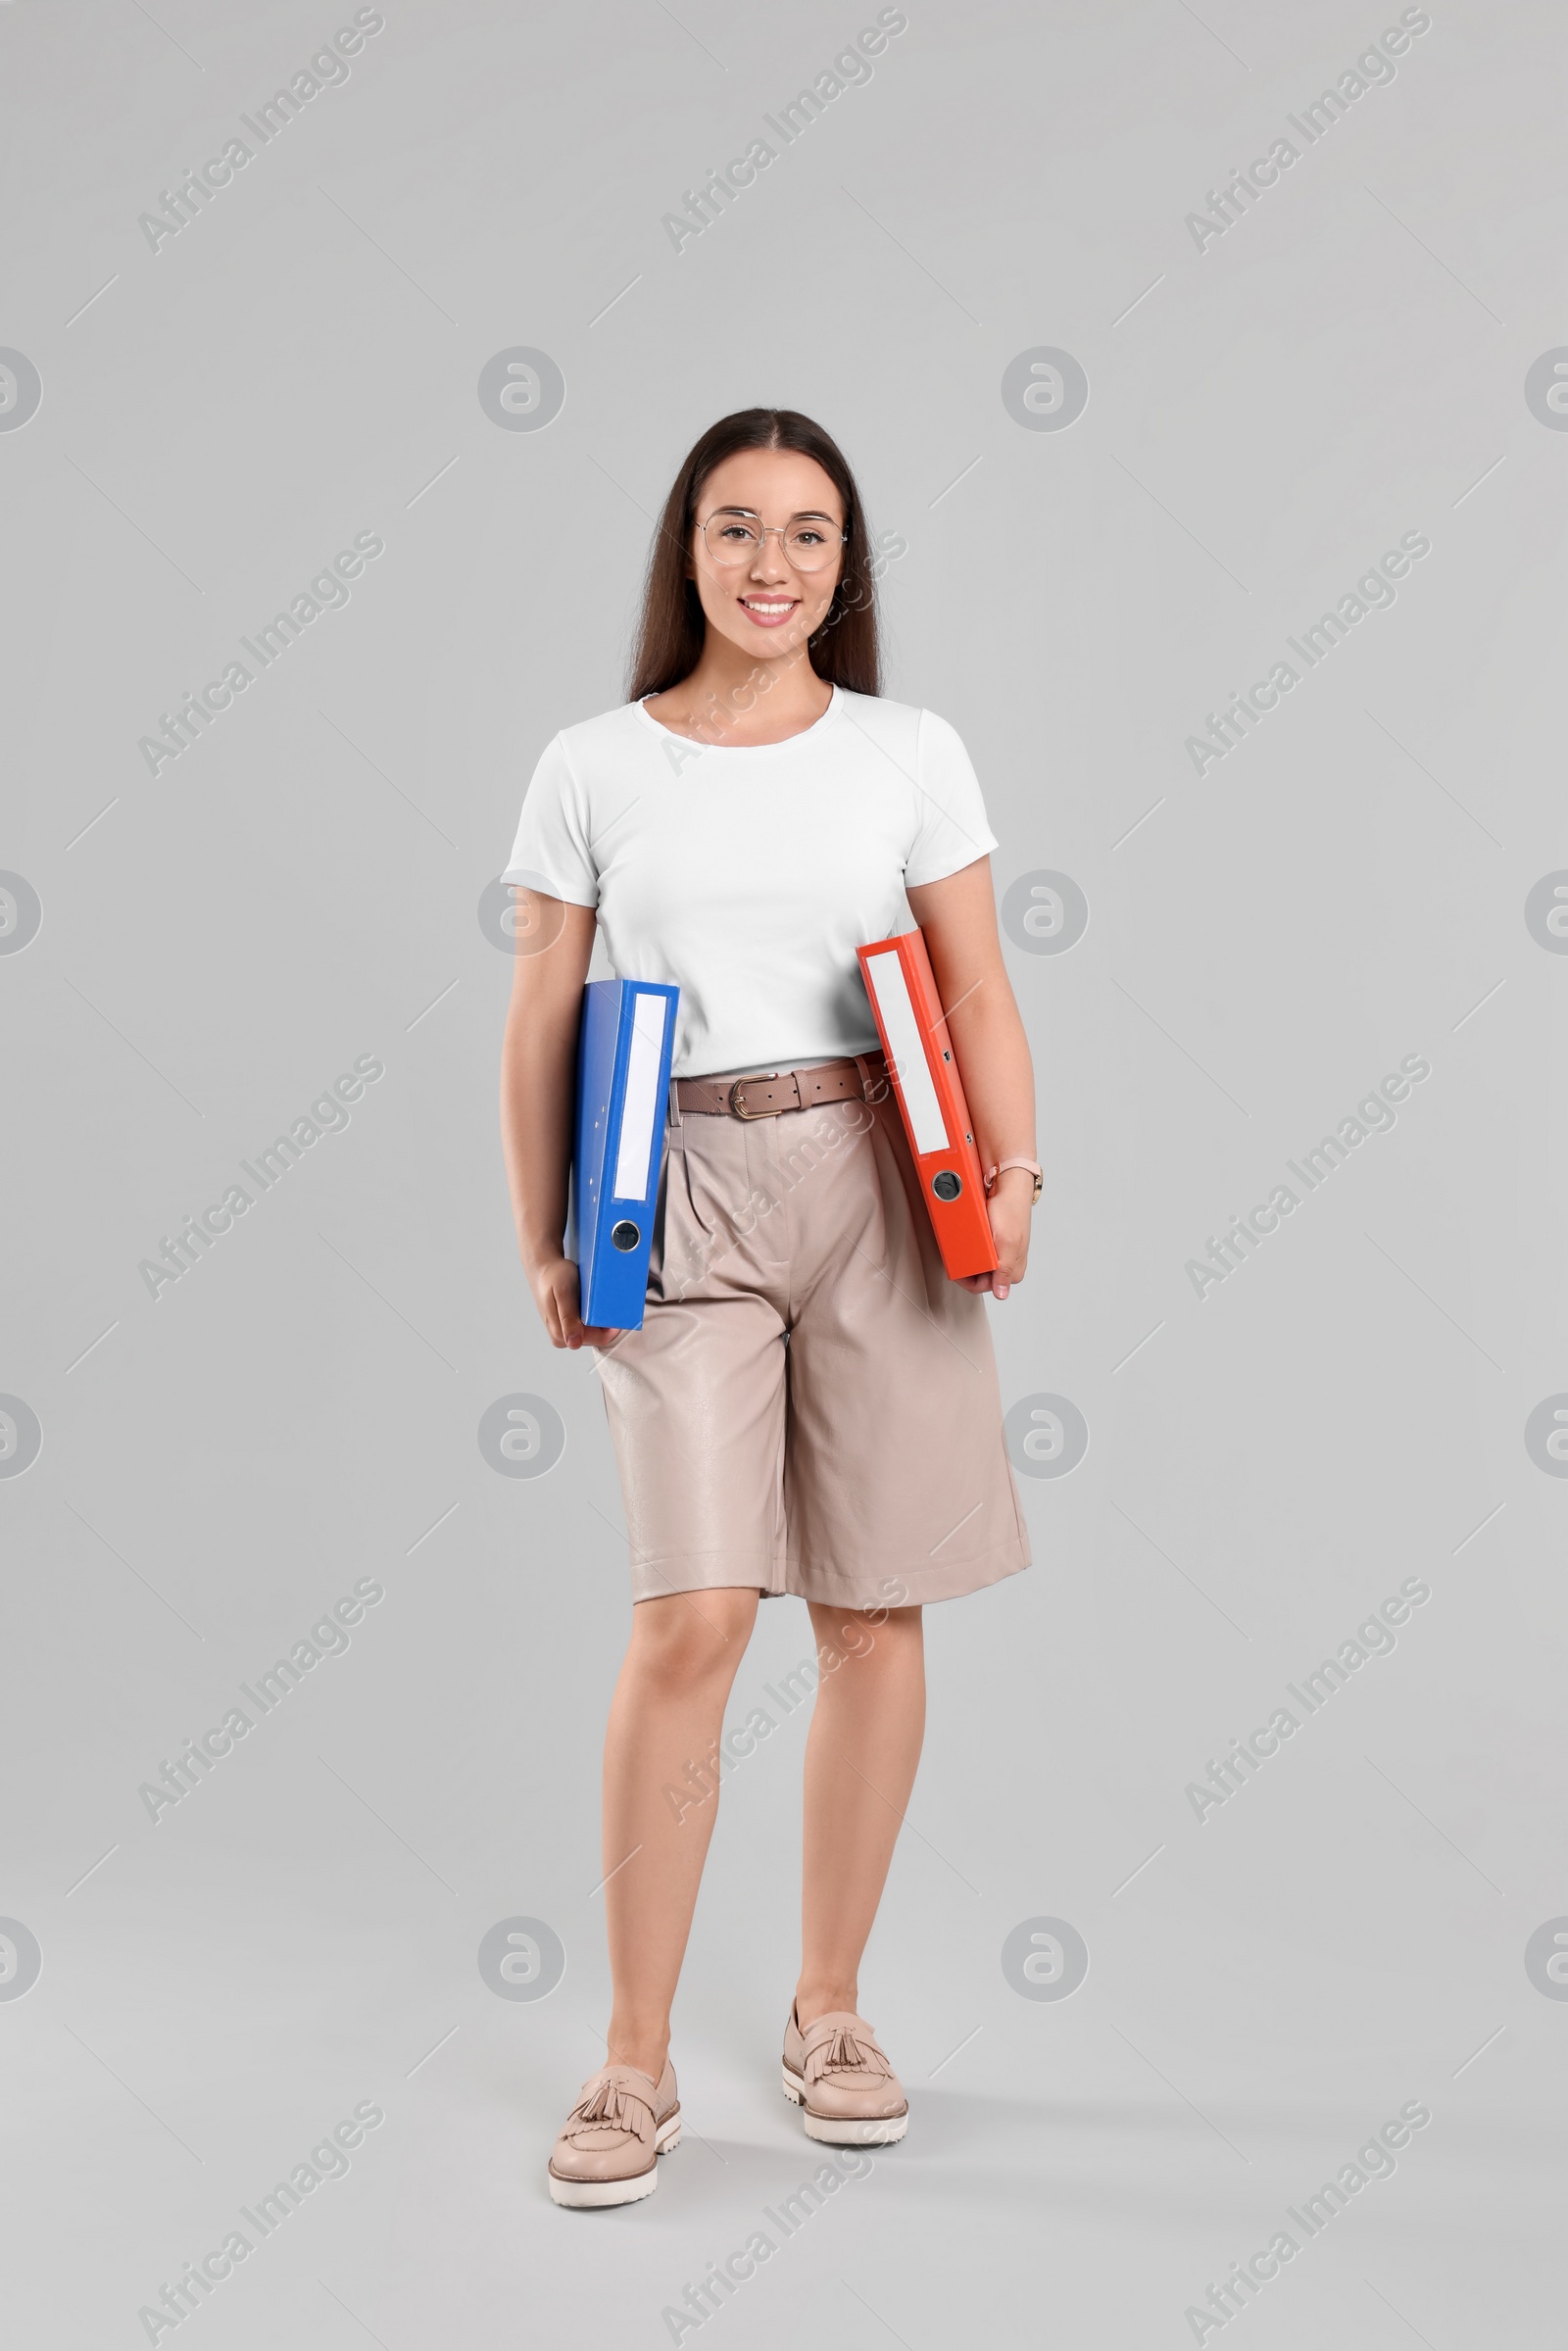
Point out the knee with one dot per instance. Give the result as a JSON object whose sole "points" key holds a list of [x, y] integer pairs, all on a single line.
{"points": [[877, 1640], [684, 1645]]}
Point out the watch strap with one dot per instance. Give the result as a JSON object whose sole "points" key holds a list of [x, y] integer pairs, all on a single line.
{"points": [[1032, 1165]]}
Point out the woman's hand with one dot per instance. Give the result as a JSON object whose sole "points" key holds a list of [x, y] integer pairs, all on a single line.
{"points": [[555, 1294], [1009, 1208]]}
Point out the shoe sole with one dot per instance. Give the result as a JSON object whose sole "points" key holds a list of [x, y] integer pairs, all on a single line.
{"points": [[584, 2196], [845, 2130]]}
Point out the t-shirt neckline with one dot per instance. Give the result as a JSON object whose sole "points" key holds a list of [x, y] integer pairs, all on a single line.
{"points": [[787, 742]]}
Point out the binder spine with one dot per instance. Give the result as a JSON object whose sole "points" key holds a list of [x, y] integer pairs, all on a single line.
{"points": [[617, 1302], [628, 1042], [913, 1030]]}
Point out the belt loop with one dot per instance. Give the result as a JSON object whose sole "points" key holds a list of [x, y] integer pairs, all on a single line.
{"points": [[673, 1116], [863, 1067]]}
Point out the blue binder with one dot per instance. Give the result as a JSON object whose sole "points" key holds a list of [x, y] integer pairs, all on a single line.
{"points": [[625, 1043]]}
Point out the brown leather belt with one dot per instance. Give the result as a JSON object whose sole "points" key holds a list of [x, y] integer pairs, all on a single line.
{"points": [[861, 1078]]}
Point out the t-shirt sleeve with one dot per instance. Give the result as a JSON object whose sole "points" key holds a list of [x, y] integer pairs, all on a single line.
{"points": [[950, 828], [552, 851]]}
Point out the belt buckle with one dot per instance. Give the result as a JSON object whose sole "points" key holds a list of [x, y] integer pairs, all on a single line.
{"points": [[734, 1103]]}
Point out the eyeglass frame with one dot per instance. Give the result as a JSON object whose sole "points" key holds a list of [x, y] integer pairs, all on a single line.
{"points": [[745, 514]]}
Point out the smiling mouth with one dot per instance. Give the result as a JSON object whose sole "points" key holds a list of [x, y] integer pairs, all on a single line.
{"points": [[768, 611]]}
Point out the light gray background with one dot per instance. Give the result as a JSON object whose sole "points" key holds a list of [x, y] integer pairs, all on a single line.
{"points": [[1265, 416]]}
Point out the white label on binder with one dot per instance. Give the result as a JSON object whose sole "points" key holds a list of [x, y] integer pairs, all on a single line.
{"points": [[907, 1048], [633, 1159]]}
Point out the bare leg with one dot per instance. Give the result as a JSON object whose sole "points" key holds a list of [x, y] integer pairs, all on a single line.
{"points": [[861, 1760], [660, 1799]]}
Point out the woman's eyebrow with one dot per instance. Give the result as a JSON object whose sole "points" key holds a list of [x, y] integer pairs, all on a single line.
{"points": [[806, 514]]}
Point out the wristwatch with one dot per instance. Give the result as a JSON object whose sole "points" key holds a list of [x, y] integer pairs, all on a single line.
{"points": [[1034, 1168]]}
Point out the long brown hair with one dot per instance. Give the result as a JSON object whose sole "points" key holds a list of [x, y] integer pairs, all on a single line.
{"points": [[669, 637]]}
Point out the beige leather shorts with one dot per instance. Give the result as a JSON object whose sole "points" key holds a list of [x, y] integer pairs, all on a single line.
{"points": [[810, 1406]]}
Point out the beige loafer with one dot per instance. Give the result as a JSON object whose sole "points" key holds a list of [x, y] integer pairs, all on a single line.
{"points": [[836, 2073], [608, 2151]]}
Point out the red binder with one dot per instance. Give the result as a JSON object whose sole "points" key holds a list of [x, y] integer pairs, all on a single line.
{"points": [[913, 1029]]}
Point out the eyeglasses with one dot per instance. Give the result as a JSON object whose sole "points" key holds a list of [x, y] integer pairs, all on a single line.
{"points": [[806, 544]]}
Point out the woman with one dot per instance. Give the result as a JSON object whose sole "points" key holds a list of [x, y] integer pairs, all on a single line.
{"points": [[810, 1406]]}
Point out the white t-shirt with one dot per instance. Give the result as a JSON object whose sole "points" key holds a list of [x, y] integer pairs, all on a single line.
{"points": [[748, 875]]}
